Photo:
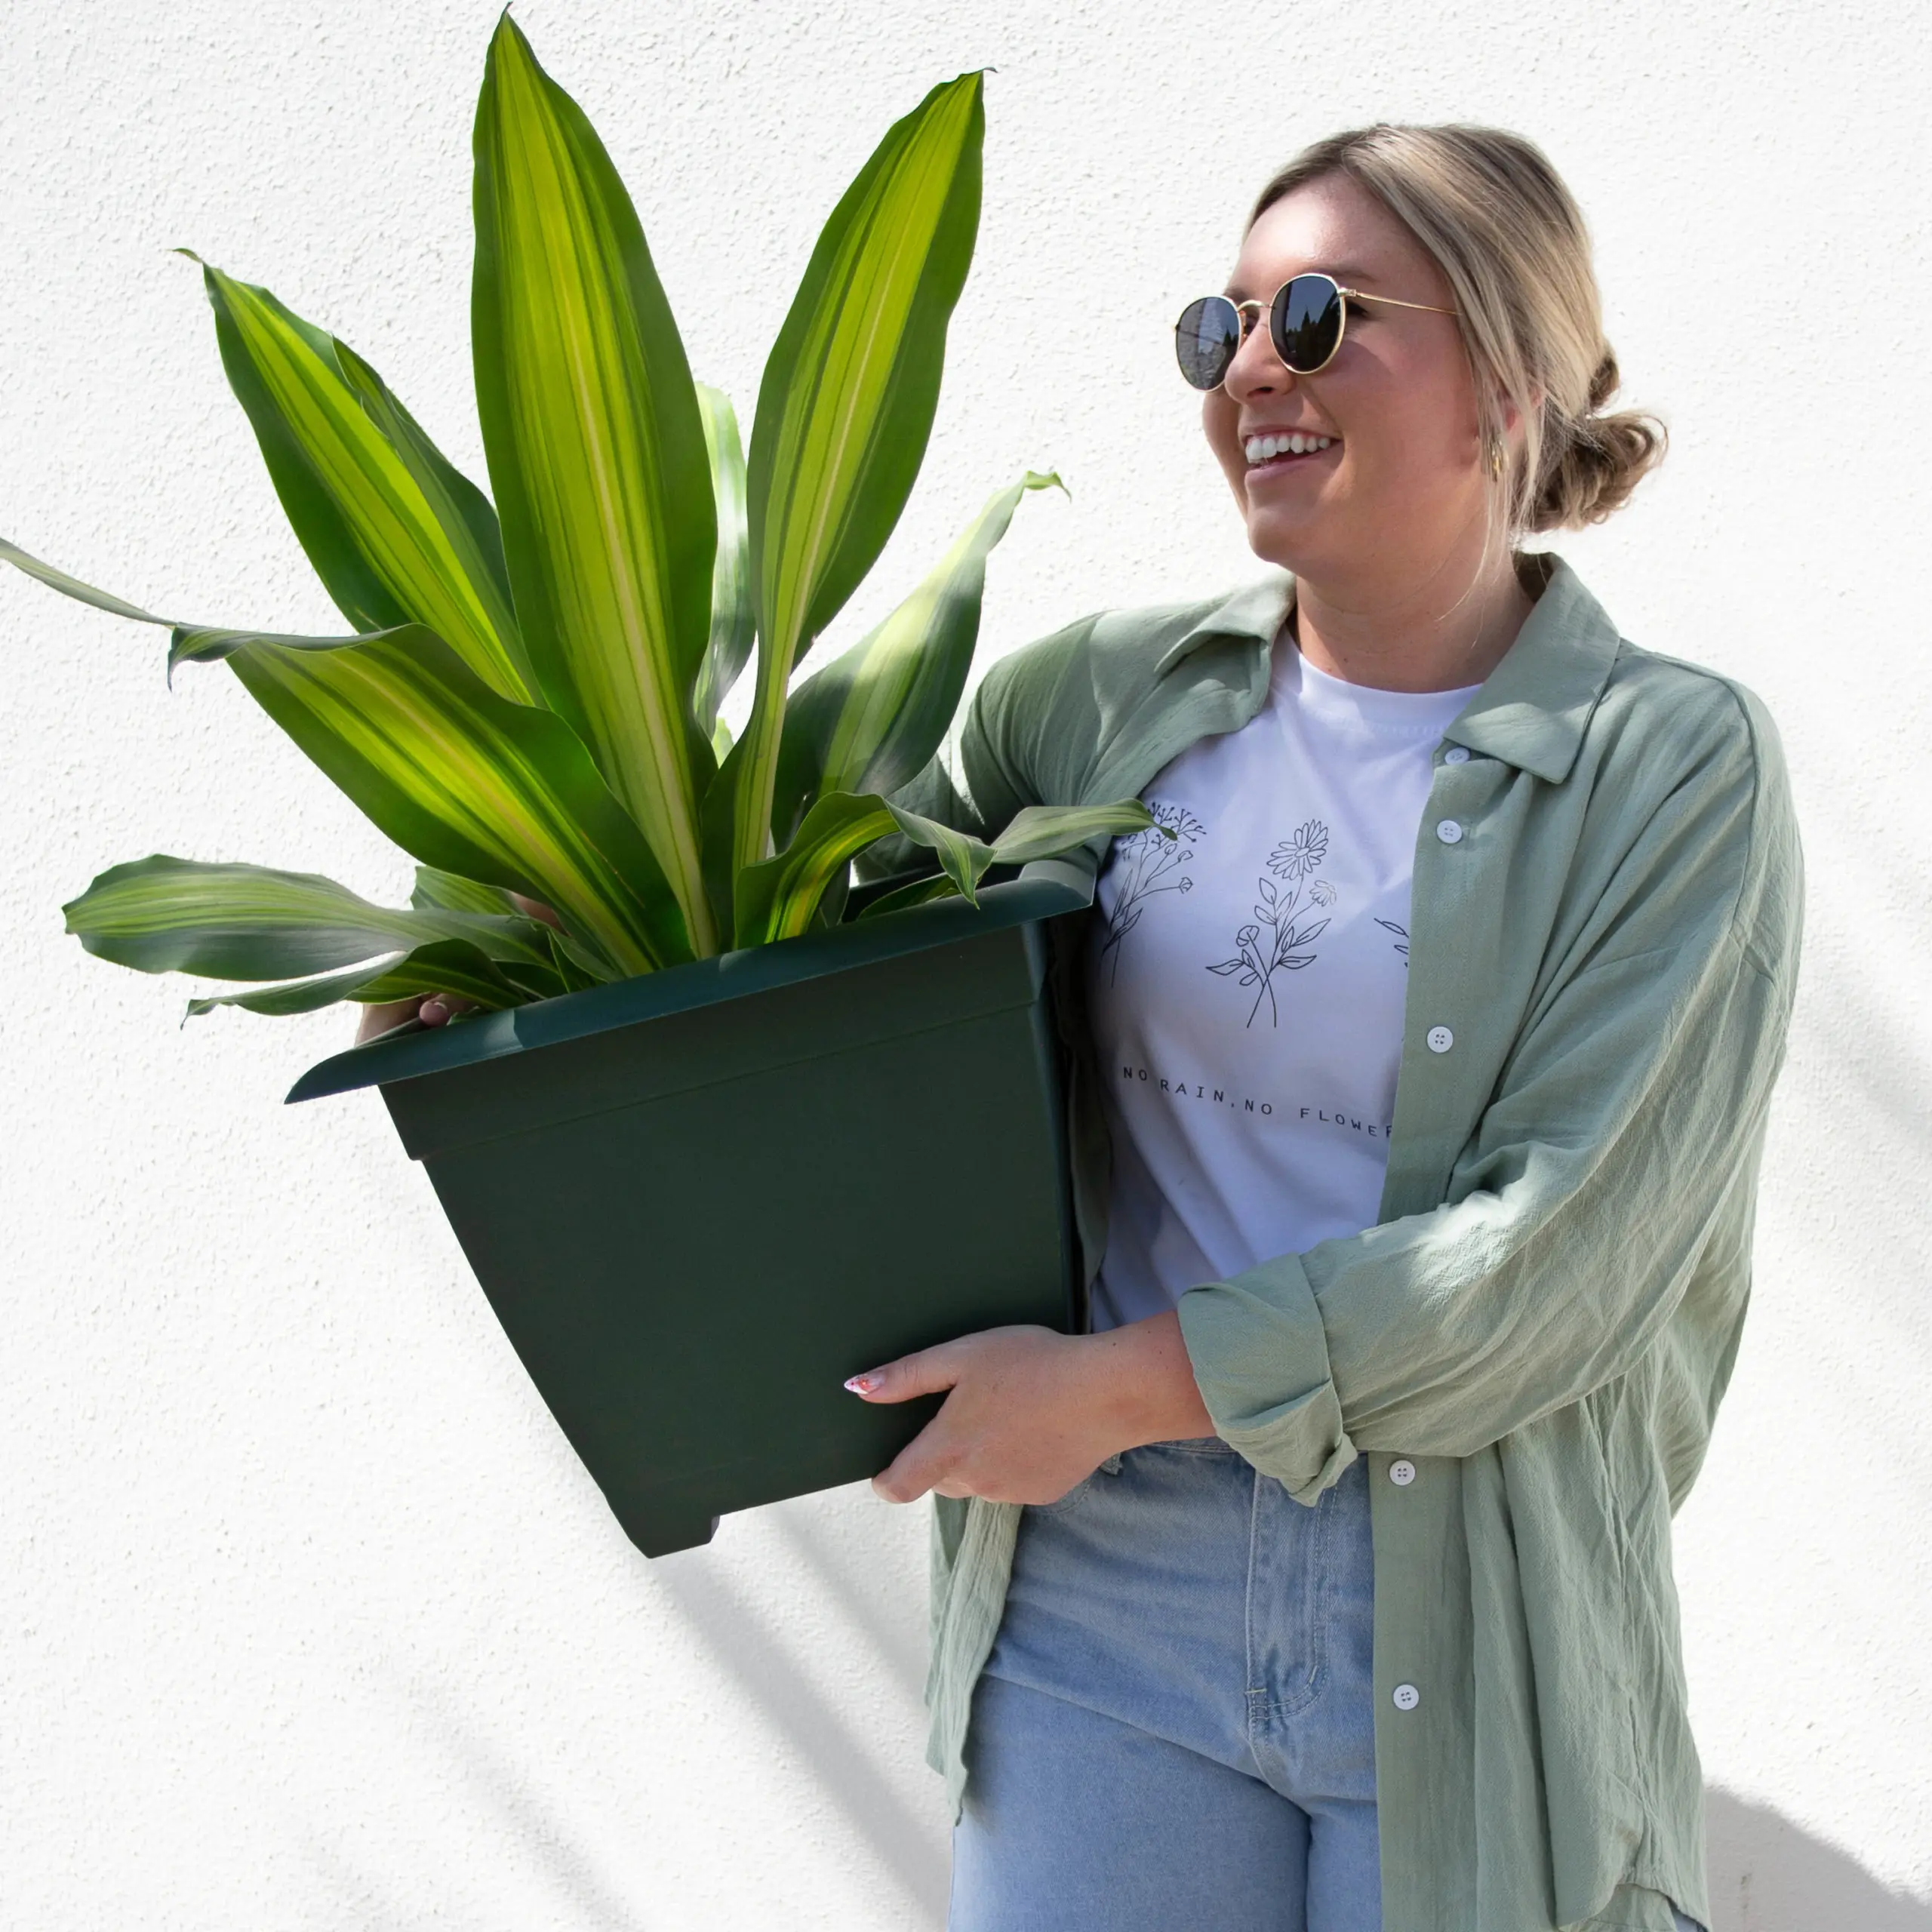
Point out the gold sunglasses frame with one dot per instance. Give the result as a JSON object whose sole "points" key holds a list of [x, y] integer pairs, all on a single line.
{"points": [[1264, 311]]}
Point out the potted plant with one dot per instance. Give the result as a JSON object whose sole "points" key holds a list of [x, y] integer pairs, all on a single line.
{"points": [[705, 1137]]}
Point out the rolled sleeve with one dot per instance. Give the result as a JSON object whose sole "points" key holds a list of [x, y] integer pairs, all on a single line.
{"points": [[1260, 1356]]}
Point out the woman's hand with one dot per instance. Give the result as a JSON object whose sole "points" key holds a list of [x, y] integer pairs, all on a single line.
{"points": [[1032, 1413], [437, 1009], [433, 1009]]}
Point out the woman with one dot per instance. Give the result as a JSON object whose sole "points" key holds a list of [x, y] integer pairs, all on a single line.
{"points": [[1422, 1060]]}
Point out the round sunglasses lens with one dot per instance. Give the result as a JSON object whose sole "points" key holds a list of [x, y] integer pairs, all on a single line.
{"points": [[1205, 339], [1306, 322]]}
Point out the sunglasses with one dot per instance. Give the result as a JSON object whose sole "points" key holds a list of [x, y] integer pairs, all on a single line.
{"points": [[1306, 322]]}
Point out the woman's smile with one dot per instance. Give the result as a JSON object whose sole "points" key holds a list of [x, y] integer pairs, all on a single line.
{"points": [[1272, 453]]}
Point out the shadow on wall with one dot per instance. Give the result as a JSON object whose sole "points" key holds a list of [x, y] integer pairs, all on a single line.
{"points": [[1768, 1875], [741, 1643]]}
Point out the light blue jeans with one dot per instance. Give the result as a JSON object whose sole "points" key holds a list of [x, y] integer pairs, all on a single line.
{"points": [[1176, 1729]]}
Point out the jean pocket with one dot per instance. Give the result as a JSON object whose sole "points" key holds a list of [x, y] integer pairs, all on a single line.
{"points": [[1072, 1500], [1081, 1490]]}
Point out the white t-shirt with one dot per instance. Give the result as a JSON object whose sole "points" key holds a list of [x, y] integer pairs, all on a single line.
{"points": [[1247, 984]]}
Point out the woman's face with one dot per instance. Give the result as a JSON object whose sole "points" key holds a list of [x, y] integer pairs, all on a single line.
{"points": [[1400, 483]]}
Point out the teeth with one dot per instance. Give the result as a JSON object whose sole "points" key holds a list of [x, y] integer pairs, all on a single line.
{"points": [[1262, 449]]}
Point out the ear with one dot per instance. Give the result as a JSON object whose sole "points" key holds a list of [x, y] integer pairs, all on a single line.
{"points": [[1511, 411]]}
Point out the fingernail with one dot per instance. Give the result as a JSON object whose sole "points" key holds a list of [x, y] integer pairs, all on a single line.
{"points": [[432, 1013], [863, 1385]]}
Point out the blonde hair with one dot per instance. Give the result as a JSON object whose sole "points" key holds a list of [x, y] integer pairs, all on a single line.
{"points": [[1510, 241]]}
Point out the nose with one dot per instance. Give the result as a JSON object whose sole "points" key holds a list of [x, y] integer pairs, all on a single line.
{"points": [[1257, 370]]}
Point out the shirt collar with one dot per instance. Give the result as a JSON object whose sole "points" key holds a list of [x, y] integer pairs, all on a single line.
{"points": [[1532, 710]]}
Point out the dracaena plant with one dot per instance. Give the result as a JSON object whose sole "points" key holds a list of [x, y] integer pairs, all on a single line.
{"points": [[529, 703]]}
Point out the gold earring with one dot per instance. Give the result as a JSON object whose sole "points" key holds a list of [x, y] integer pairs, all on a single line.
{"points": [[1495, 458]]}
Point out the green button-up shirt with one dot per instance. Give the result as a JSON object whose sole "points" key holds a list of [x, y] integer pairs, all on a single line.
{"points": [[1543, 1320]]}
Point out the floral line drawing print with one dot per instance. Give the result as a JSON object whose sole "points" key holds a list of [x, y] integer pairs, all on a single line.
{"points": [[1401, 939], [1149, 861], [1285, 950]]}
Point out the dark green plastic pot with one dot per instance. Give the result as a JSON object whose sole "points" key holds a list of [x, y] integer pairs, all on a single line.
{"points": [[699, 1200]]}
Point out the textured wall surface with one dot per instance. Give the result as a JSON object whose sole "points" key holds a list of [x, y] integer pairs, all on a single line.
{"points": [[310, 1620]]}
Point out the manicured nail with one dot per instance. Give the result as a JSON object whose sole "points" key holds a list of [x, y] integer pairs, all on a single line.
{"points": [[863, 1385], [432, 1013]]}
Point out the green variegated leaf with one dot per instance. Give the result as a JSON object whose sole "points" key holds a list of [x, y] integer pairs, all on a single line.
{"points": [[1046, 831], [597, 455], [461, 779], [964, 859], [574, 964], [456, 894], [920, 892], [846, 405], [454, 966], [446, 966], [163, 914], [467, 782], [1038, 832], [577, 966], [780, 898], [733, 625], [281, 1002], [204, 643], [872, 718], [396, 534]]}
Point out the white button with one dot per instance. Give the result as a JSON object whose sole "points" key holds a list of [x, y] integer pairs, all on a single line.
{"points": [[1403, 1472], [1406, 1697], [1457, 754], [1441, 1039], [1449, 832]]}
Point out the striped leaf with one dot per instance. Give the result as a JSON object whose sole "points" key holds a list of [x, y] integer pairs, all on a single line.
{"points": [[445, 966], [964, 859], [456, 894], [187, 640], [461, 778], [597, 455], [733, 625], [575, 965], [395, 533], [920, 892], [780, 898], [872, 718], [1047, 832], [1038, 832], [164, 915], [847, 401], [467, 782]]}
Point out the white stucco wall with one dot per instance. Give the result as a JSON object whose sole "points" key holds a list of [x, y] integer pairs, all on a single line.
{"points": [[308, 1618]]}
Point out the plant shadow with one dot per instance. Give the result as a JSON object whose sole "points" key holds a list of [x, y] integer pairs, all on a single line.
{"points": [[1769, 1874], [745, 1648]]}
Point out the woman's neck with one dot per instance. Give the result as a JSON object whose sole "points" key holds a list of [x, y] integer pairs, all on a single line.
{"points": [[1400, 635]]}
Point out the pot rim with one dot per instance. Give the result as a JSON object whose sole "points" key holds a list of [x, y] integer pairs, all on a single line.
{"points": [[1045, 889]]}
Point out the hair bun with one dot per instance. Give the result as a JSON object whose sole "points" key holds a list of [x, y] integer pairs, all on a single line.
{"points": [[1594, 461]]}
